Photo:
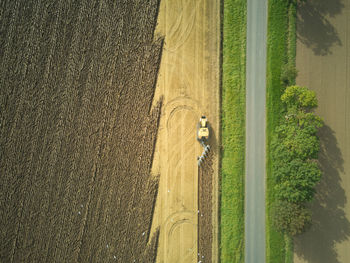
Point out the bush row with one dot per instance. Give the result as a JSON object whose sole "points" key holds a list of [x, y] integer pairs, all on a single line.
{"points": [[295, 146]]}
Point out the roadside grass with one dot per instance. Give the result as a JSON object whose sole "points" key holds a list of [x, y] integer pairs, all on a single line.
{"points": [[292, 50], [289, 257], [233, 131], [281, 49], [292, 35]]}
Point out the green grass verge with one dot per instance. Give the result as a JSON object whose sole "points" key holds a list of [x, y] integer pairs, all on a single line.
{"points": [[277, 35], [288, 241], [292, 50], [292, 35], [233, 132], [281, 48]]}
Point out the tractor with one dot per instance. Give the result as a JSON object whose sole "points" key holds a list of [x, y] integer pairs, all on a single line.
{"points": [[202, 137]]}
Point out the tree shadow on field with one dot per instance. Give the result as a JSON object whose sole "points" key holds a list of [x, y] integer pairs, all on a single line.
{"points": [[329, 226], [314, 28]]}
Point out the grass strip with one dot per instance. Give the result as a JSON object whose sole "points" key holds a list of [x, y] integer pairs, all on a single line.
{"points": [[292, 50], [281, 49], [277, 35], [233, 131], [288, 241], [292, 35]]}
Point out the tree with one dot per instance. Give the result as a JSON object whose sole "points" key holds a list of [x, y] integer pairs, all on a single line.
{"points": [[296, 180], [295, 148], [298, 129], [309, 122], [302, 145], [299, 140], [299, 98], [290, 218]]}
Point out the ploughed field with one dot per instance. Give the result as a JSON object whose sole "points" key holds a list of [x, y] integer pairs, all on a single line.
{"points": [[323, 62], [78, 130], [205, 208]]}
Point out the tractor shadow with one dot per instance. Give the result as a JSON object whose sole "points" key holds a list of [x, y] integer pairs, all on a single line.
{"points": [[314, 28], [330, 225]]}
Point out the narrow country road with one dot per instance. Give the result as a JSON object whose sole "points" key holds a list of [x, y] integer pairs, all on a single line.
{"points": [[255, 132]]}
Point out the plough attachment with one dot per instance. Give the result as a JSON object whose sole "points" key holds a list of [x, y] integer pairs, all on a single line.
{"points": [[204, 155]]}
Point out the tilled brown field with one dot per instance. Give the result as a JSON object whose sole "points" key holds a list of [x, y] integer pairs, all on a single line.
{"points": [[205, 208], [77, 81]]}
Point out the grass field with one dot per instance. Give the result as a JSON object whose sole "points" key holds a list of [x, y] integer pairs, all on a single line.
{"points": [[77, 82], [281, 48], [233, 131]]}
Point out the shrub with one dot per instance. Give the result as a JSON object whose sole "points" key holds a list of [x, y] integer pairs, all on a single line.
{"points": [[299, 98], [290, 218], [295, 148], [296, 180], [288, 74]]}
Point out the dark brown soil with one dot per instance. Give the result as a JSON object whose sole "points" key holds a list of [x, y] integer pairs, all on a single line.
{"points": [[205, 206], [77, 80]]}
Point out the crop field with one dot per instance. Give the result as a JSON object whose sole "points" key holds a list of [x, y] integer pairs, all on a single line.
{"points": [[98, 115], [323, 62], [189, 83], [78, 130]]}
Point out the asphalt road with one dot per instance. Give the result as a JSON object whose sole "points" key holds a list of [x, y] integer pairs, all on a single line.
{"points": [[255, 132]]}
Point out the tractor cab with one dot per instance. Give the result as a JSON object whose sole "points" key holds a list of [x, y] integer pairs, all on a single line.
{"points": [[203, 129]]}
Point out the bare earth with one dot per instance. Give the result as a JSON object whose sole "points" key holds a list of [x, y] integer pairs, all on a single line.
{"points": [[323, 61], [189, 81], [77, 134]]}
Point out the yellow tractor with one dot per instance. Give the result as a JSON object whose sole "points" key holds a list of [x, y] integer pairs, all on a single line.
{"points": [[202, 129], [202, 137]]}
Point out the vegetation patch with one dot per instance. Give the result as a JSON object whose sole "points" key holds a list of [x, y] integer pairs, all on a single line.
{"points": [[281, 50], [295, 148], [292, 143], [233, 131]]}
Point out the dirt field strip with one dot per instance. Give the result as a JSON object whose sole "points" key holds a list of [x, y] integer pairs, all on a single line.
{"points": [[189, 81], [323, 61], [205, 207]]}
